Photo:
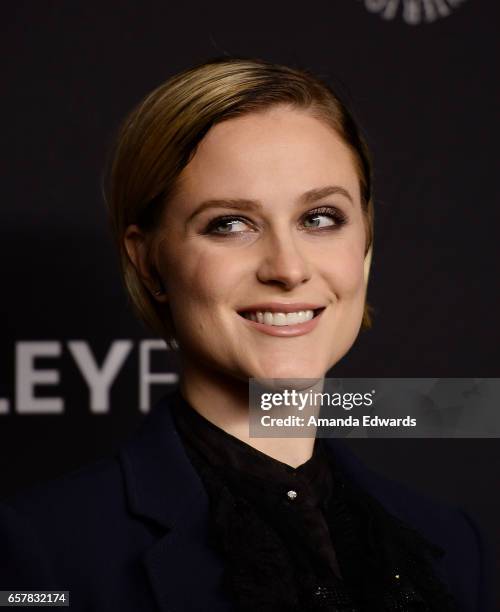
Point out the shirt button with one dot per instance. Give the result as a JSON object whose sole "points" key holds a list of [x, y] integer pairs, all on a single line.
{"points": [[292, 494]]}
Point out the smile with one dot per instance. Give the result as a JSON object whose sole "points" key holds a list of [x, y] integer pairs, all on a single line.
{"points": [[282, 324], [280, 318]]}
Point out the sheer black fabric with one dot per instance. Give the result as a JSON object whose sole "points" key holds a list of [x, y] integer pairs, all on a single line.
{"points": [[305, 539]]}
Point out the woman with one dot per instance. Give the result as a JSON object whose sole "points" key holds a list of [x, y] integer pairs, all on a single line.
{"points": [[240, 199]]}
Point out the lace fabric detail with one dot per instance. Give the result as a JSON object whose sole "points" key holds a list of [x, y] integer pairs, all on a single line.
{"points": [[386, 563]]}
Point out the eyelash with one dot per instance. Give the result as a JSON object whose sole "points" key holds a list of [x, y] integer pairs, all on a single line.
{"points": [[334, 214]]}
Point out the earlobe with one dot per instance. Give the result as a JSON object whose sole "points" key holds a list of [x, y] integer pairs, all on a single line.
{"points": [[132, 241], [136, 245], [367, 264]]}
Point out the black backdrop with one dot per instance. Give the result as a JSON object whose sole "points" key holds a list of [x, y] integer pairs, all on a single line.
{"points": [[426, 94]]}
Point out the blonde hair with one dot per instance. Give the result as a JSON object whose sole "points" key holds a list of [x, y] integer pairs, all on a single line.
{"points": [[159, 137]]}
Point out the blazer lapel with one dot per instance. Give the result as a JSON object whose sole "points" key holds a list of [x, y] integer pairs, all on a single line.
{"points": [[395, 498], [163, 487]]}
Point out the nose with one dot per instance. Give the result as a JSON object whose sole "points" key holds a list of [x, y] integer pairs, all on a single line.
{"points": [[284, 261]]}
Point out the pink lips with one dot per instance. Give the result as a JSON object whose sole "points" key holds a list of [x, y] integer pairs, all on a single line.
{"points": [[287, 330]]}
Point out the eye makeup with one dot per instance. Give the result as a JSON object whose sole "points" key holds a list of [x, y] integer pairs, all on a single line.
{"points": [[334, 214]]}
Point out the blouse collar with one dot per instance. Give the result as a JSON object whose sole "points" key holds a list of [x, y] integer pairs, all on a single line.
{"points": [[309, 484]]}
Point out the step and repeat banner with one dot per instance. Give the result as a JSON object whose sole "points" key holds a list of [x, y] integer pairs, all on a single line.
{"points": [[78, 372]]}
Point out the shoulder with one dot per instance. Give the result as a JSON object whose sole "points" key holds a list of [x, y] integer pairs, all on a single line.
{"points": [[50, 532], [66, 492], [467, 564], [84, 496], [439, 521]]}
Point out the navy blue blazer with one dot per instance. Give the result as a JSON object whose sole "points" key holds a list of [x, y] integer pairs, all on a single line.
{"points": [[130, 533]]}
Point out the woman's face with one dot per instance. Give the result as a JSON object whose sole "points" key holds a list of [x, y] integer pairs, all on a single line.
{"points": [[274, 171]]}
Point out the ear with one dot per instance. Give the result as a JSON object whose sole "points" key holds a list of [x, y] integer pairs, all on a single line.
{"points": [[368, 262], [138, 249]]}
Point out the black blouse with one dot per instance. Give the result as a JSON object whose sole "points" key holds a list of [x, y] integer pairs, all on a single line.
{"points": [[304, 539]]}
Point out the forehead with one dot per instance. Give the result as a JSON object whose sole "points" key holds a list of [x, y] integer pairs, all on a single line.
{"points": [[280, 150]]}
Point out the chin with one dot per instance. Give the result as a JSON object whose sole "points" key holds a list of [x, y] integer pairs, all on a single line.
{"points": [[291, 370]]}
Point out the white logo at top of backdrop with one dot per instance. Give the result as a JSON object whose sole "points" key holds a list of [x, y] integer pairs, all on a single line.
{"points": [[413, 12]]}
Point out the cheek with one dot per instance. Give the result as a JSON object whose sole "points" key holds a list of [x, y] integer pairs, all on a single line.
{"points": [[198, 279], [345, 271]]}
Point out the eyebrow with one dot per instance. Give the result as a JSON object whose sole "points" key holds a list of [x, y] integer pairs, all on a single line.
{"points": [[254, 205]]}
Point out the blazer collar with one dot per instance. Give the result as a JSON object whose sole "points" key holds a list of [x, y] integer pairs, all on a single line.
{"points": [[162, 486], [161, 483]]}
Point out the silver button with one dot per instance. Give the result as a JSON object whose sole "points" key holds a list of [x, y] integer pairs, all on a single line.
{"points": [[292, 494]]}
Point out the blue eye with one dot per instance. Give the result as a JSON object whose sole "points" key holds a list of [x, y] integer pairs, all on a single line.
{"points": [[227, 221], [316, 217], [335, 218]]}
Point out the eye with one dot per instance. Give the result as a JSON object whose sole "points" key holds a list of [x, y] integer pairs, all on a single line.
{"points": [[335, 218], [226, 222]]}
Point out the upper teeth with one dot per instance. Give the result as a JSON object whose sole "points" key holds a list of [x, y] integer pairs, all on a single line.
{"points": [[280, 318]]}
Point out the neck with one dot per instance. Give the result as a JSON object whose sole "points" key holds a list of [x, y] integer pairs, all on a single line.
{"points": [[224, 401]]}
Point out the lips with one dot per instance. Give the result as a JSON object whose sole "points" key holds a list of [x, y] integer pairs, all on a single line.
{"points": [[288, 330]]}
